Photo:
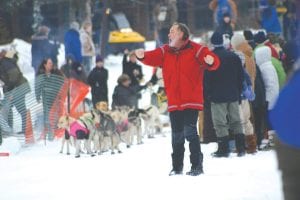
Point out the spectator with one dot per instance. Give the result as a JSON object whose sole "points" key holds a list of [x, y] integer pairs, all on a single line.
{"points": [[224, 27], [221, 7], [132, 68], [124, 94], [41, 47], [87, 46], [239, 44], [165, 14], [224, 90], [261, 40], [97, 79], [15, 87], [269, 18], [250, 38], [285, 119], [263, 59], [48, 83], [73, 69], [72, 42]]}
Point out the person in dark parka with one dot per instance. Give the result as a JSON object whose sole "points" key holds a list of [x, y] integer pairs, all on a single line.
{"points": [[224, 89], [124, 94], [15, 87], [132, 68], [97, 79], [73, 69]]}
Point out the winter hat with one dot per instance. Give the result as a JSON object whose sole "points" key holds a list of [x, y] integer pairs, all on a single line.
{"points": [[260, 37], [248, 35], [226, 15], [217, 39], [99, 58], [75, 25], [237, 39]]}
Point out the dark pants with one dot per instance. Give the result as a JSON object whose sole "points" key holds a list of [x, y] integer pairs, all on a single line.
{"points": [[184, 126], [289, 164], [209, 133], [259, 114]]}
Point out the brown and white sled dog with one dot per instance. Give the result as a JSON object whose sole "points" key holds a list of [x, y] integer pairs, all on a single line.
{"points": [[152, 122], [82, 129]]}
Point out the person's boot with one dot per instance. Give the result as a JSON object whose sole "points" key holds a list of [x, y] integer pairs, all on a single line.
{"points": [[251, 143], [177, 159], [240, 144], [195, 171], [223, 147], [196, 157], [175, 172]]}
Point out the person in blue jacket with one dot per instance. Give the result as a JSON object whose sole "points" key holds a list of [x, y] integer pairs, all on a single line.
{"points": [[72, 42], [269, 18], [285, 118]]}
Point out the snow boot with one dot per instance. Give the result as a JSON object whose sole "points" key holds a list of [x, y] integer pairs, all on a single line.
{"points": [[195, 171], [177, 158], [174, 172], [223, 147], [251, 143], [240, 144]]}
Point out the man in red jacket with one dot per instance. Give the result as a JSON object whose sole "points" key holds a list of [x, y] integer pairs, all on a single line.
{"points": [[183, 63]]}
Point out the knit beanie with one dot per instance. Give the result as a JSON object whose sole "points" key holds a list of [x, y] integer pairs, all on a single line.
{"points": [[217, 39], [260, 37], [248, 35]]}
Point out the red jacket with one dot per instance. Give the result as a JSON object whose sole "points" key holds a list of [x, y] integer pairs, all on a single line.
{"points": [[183, 73]]}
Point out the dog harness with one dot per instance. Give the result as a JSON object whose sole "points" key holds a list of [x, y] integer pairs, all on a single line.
{"points": [[76, 126], [122, 126]]}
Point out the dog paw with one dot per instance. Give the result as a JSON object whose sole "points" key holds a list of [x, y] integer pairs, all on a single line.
{"points": [[112, 153], [78, 156], [60, 152], [93, 155], [68, 154], [128, 146], [120, 151]]}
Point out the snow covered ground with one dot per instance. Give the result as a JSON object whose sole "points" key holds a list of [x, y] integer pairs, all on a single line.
{"points": [[39, 172], [141, 172]]}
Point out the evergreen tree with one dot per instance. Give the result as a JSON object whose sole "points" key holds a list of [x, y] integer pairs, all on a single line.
{"points": [[5, 36]]}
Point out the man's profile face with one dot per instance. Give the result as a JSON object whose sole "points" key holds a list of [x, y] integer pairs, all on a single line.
{"points": [[175, 35]]}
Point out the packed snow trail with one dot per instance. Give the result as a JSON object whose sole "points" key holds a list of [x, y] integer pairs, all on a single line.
{"points": [[141, 172]]}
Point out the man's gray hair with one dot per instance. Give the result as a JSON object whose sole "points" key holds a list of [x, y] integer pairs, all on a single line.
{"points": [[183, 28]]}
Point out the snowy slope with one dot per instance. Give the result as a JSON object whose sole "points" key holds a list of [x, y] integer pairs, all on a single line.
{"points": [[39, 172]]}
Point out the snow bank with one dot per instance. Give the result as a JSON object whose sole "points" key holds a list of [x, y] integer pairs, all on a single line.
{"points": [[10, 145]]}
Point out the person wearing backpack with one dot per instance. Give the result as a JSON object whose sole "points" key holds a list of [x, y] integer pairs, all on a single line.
{"points": [[221, 7], [15, 87], [165, 14]]}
